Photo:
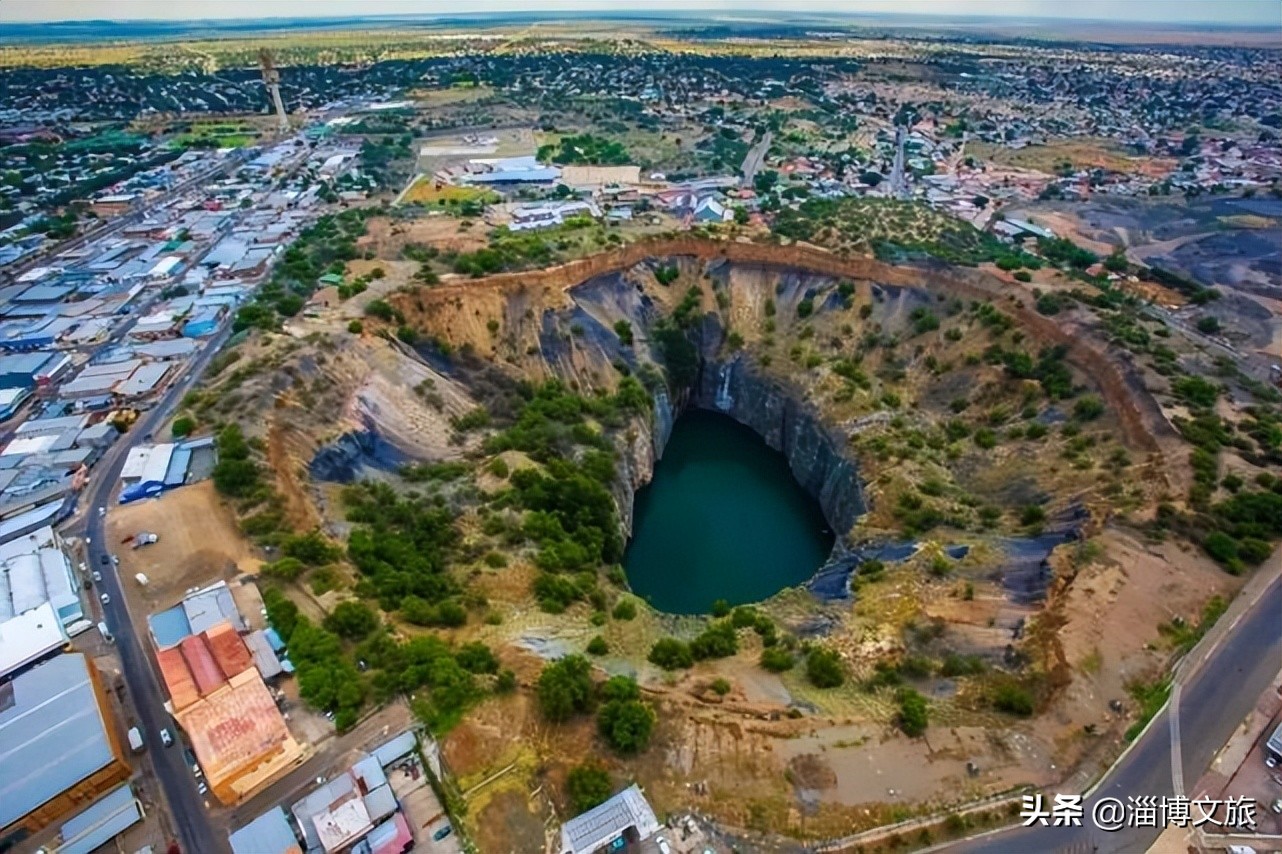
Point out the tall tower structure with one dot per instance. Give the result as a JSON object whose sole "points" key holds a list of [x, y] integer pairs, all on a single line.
{"points": [[271, 79]]}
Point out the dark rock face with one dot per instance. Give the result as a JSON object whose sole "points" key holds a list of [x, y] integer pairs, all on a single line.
{"points": [[790, 427], [344, 459]]}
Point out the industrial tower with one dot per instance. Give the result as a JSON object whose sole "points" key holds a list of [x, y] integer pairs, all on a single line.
{"points": [[271, 79]]}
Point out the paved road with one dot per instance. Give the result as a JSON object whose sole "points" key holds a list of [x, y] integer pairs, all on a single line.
{"points": [[195, 834], [1213, 703], [754, 158]]}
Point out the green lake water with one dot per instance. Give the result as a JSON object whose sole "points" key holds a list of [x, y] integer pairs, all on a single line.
{"points": [[722, 519]]}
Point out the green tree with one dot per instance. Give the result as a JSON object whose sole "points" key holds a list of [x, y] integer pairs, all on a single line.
{"points": [[588, 785], [352, 620], [624, 720], [565, 688]]}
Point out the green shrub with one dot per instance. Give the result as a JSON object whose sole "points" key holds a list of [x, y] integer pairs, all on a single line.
{"points": [[624, 721], [716, 641], [913, 716], [824, 668], [588, 785], [598, 646], [1088, 408], [565, 688], [1013, 699], [624, 609], [183, 426], [671, 654], [776, 659], [351, 620]]}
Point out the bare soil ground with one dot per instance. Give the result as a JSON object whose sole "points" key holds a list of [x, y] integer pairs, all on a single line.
{"points": [[387, 237], [199, 544]]}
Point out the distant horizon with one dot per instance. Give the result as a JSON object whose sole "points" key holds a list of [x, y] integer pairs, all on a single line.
{"points": [[1223, 14]]}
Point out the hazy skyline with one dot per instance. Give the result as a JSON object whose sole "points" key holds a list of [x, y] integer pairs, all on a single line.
{"points": [[1223, 12]]}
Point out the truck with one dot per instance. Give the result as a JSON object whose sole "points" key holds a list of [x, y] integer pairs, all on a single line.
{"points": [[105, 632], [145, 538], [135, 739]]}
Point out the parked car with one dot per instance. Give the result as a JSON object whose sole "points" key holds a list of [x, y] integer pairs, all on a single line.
{"points": [[166, 738], [105, 598], [102, 511], [442, 833], [106, 560], [97, 576]]}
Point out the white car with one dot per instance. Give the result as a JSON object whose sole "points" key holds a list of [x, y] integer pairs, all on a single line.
{"points": [[102, 511], [105, 598], [97, 576], [166, 738]]}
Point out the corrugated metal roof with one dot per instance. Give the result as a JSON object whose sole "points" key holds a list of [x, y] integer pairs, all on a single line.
{"points": [[380, 803], [153, 471], [144, 380], [109, 816], [177, 677], [52, 735], [170, 626], [211, 606], [399, 746], [270, 833], [599, 825], [264, 656], [228, 649], [200, 661]]}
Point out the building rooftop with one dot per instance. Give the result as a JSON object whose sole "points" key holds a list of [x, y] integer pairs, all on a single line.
{"points": [[109, 816], [270, 833], [28, 636], [34, 571], [628, 810], [52, 734]]}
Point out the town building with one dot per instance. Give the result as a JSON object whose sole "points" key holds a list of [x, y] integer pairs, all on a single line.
{"points": [[61, 746], [623, 820], [219, 699]]}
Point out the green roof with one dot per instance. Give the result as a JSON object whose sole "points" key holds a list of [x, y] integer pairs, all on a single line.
{"points": [[331, 279]]}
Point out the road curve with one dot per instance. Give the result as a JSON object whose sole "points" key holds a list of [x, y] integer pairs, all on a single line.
{"points": [[1212, 704]]}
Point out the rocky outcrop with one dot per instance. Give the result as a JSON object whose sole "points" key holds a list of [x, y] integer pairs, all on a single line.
{"points": [[789, 426], [346, 458]]}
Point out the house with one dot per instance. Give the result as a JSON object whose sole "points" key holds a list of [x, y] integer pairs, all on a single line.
{"points": [[710, 210], [624, 819]]}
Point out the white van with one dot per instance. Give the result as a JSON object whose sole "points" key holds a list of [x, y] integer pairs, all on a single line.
{"points": [[106, 633]]}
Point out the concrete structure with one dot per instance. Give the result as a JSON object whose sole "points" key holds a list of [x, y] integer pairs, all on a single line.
{"points": [[220, 701], [59, 748], [627, 816]]}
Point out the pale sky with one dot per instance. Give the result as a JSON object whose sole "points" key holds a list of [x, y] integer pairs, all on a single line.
{"points": [[1224, 12]]}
